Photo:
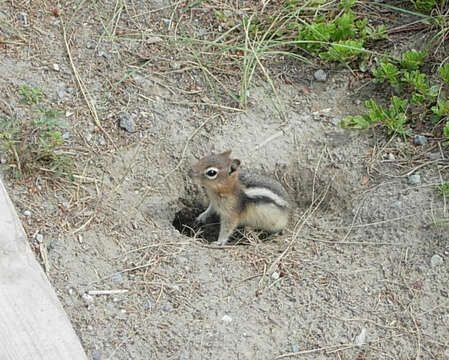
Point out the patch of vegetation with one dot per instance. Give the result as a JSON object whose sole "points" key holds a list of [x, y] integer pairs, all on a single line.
{"points": [[445, 190], [422, 98], [30, 95], [332, 33], [33, 146]]}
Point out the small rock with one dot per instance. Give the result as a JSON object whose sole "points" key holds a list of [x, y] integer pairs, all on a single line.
{"points": [[66, 135], [226, 318], [56, 67], [87, 298], [175, 65], [88, 137], [27, 213], [436, 260], [70, 290], [39, 238], [116, 278], [433, 156], [361, 338], [101, 140], [320, 75], [396, 204], [96, 355], [336, 121], [275, 275], [61, 94], [414, 179], [295, 348], [420, 140], [24, 17], [127, 122], [391, 157], [148, 305]]}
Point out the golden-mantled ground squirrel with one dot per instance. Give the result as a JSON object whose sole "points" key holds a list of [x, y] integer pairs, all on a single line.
{"points": [[238, 199]]}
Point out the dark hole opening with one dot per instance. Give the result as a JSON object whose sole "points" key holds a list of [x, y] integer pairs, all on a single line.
{"points": [[184, 222]]}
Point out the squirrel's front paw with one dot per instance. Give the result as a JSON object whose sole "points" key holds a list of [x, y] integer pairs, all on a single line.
{"points": [[201, 218], [219, 242]]}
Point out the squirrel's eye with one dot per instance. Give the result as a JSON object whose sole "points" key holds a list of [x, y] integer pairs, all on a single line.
{"points": [[211, 173]]}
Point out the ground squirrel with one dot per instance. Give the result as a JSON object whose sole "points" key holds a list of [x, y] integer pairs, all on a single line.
{"points": [[240, 199]]}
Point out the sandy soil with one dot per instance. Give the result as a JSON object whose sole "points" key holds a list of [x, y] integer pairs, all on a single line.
{"points": [[362, 271]]}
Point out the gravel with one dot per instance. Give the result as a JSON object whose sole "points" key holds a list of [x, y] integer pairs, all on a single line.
{"points": [[320, 75], [436, 260], [414, 179]]}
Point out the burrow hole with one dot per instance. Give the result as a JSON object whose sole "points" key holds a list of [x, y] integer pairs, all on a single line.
{"points": [[184, 222]]}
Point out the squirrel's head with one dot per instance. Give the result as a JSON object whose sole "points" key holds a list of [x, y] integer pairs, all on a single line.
{"points": [[216, 172]]}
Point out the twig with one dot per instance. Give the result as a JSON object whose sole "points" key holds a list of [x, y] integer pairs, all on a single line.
{"points": [[83, 89], [108, 292]]}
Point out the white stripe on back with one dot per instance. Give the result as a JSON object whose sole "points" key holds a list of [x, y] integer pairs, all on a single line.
{"points": [[259, 191]]}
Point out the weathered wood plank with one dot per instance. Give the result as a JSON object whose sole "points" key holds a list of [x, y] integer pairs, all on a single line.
{"points": [[33, 324]]}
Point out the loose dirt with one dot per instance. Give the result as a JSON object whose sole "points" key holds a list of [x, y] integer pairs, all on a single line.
{"points": [[361, 272]]}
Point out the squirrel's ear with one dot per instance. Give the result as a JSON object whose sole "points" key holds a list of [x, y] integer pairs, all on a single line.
{"points": [[235, 164], [226, 154]]}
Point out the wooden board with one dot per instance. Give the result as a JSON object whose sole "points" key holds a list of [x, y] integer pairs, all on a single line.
{"points": [[33, 324]]}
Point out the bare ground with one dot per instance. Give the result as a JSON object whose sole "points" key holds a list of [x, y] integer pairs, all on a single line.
{"points": [[361, 273]]}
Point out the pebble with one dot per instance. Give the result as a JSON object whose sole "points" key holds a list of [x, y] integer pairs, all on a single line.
{"points": [[420, 140], [175, 65], [275, 275], [414, 179], [361, 338], [391, 157], [127, 122], [39, 238], [27, 213], [88, 137], [320, 75], [66, 135], [96, 355], [295, 348], [148, 305], [336, 121], [116, 278], [433, 156], [436, 260], [87, 298], [101, 140], [396, 204], [24, 17], [226, 318], [56, 67]]}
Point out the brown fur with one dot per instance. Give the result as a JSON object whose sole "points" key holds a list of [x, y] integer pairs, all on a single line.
{"points": [[226, 195]]}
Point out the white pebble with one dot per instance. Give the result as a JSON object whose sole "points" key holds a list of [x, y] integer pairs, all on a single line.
{"points": [[227, 318], [39, 238], [27, 213], [436, 260], [275, 275], [56, 67], [361, 338]]}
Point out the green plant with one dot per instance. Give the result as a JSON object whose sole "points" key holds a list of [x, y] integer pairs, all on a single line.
{"points": [[445, 189], [413, 60], [394, 118], [32, 146], [444, 73], [424, 5], [387, 71], [31, 95]]}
